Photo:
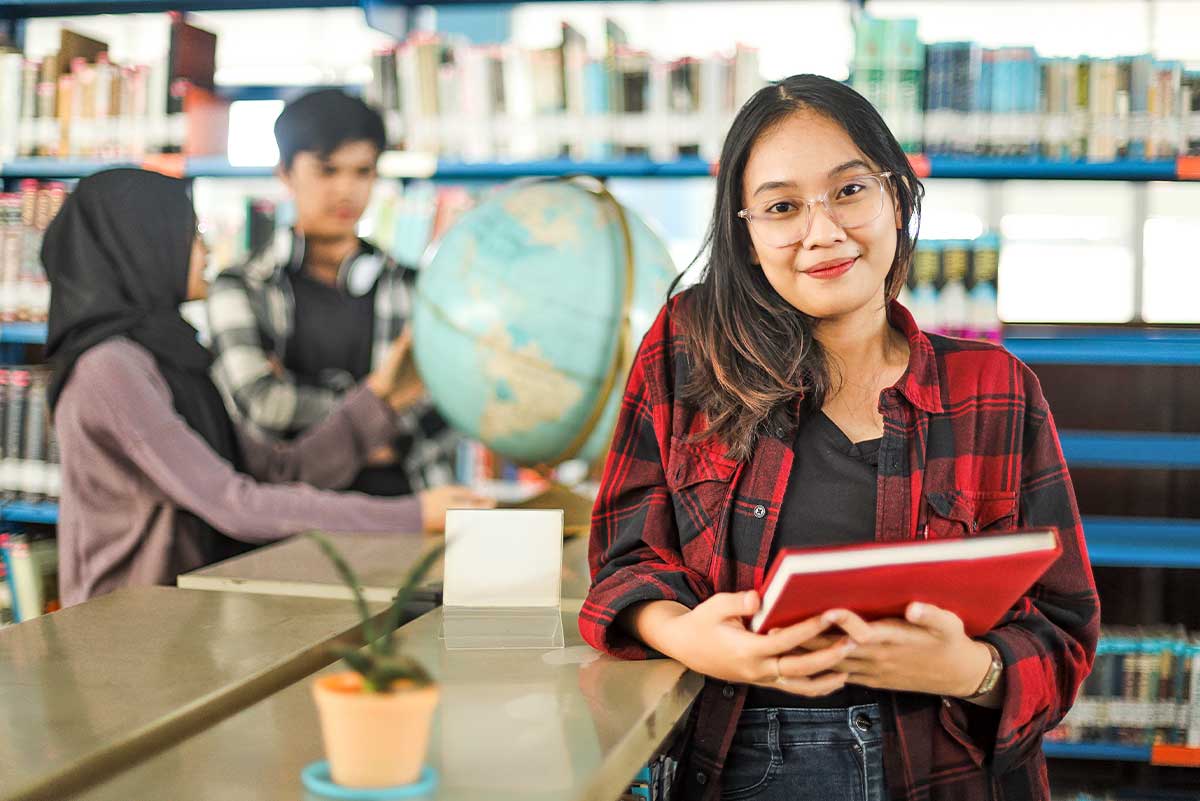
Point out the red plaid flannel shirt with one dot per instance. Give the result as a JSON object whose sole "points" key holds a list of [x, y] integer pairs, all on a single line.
{"points": [[969, 447]]}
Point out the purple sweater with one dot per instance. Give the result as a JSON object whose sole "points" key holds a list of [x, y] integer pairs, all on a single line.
{"points": [[130, 463]]}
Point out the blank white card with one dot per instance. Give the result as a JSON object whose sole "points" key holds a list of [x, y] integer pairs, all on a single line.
{"points": [[503, 557]]}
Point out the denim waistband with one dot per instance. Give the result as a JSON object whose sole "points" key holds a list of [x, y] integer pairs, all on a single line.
{"points": [[861, 724]]}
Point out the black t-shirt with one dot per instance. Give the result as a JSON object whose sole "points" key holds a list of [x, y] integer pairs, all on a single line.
{"points": [[333, 333], [830, 500]]}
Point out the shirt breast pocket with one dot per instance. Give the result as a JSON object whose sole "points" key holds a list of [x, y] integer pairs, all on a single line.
{"points": [[700, 480], [963, 513]]}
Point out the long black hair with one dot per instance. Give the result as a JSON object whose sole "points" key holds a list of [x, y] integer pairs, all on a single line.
{"points": [[753, 352]]}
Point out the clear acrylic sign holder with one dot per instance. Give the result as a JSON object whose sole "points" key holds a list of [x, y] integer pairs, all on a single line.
{"points": [[503, 579]]}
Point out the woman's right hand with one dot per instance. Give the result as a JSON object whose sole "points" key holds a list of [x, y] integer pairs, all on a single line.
{"points": [[712, 639], [435, 502]]}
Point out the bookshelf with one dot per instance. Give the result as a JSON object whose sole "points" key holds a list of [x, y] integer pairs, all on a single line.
{"points": [[1099, 751], [1129, 450], [1113, 346], [22, 333], [1126, 542], [1142, 541], [952, 167], [42, 513]]}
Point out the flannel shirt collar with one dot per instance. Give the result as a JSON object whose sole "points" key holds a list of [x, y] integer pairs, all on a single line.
{"points": [[920, 384]]}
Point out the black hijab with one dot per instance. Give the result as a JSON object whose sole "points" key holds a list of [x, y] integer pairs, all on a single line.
{"points": [[117, 256]]}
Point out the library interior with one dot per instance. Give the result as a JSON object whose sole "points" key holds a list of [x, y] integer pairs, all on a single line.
{"points": [[742, 399]]}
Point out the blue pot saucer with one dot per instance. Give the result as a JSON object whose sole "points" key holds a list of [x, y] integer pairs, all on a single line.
{"points": [[317, 779]]}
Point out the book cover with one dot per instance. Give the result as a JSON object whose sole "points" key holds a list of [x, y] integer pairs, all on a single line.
{"points": [[977, 578]]}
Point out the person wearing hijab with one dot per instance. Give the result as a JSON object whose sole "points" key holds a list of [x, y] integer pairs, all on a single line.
{"points": [[156, 478]]}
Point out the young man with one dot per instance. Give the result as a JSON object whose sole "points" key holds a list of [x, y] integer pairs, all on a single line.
{"points": [[303, 321]]}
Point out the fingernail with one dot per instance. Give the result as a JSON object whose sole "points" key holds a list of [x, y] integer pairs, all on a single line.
{"points": [[915, 610], [849, 647], [832, 617]]}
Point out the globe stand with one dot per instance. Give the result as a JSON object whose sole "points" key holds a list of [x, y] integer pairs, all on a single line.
{"points": [[577, 508]]}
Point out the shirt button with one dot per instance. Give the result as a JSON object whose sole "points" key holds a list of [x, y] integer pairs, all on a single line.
{"points": [[946, 702], [728, 691], [760, 511], [701, 777]]}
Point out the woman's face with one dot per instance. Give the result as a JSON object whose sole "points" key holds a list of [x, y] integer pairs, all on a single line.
{"points": [[831, 271], [197, 286]]}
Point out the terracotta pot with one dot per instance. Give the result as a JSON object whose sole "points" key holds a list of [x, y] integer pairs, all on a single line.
{"points": [[374, 739]]}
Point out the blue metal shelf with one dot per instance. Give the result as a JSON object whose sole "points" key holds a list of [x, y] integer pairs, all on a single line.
{"points": [[614, 168], [45, 512], [1131, 450], [1108, 751], [50, 169], [1142, 541], [218, 167], [23, 333], [265, 92], [1125, 346], [992, 168], [689, 167]]}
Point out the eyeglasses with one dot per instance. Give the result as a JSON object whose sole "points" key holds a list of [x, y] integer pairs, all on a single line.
{"points": [[851, 203]]}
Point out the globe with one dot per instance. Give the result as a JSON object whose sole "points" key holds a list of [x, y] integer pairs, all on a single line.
{"points": [[526, 315]]}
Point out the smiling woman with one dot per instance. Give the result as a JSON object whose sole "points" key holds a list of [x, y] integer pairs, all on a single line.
{"points": [[787, 400]]}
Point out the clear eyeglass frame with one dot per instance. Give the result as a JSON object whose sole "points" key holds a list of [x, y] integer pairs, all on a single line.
{"points": [[832, 213]]}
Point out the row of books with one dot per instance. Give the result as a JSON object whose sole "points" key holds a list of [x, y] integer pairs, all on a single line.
{"points": [[24, 217], [29, 456], [951, 287], [28, 577], [483, 103], [1144, 689], [78, 103], [405, 219], [960, 97]]}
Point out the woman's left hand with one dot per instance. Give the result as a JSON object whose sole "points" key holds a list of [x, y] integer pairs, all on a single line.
{"points": [[927, 652]]}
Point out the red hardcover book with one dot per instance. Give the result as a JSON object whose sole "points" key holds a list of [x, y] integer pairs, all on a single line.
{"points": [[977, 578]]}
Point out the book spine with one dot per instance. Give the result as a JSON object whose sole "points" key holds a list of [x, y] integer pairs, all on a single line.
{"points": [[4, 449], [1193, 697], [24, 579], [11, 248], [14, 425], [33, 485]]}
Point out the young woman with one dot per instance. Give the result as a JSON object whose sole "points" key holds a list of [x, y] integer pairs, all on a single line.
{"points": [[151, 485], [787, 400]]}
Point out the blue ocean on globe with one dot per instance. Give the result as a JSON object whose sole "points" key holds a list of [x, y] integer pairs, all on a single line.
{"points": [[517, 314]]}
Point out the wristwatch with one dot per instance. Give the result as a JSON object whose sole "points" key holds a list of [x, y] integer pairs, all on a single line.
{"points": [[992, 678]]}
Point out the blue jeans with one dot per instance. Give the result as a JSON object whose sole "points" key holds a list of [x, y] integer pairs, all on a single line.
{"points": [[806, 755]]}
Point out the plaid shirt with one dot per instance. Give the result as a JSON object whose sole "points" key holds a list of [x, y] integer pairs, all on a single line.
{"points": [[969, 446], [251, 313]]}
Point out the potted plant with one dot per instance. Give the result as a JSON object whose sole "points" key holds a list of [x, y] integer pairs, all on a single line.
{"points": [[376, 717]]}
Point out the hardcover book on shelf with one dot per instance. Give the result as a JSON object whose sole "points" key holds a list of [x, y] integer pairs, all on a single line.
{"points": [[31, 565], [978, 578]]}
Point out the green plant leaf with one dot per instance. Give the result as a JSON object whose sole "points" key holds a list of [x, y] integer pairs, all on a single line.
{"points": [[387, 671], [361, 663], [351, 581], [403, 595]]}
